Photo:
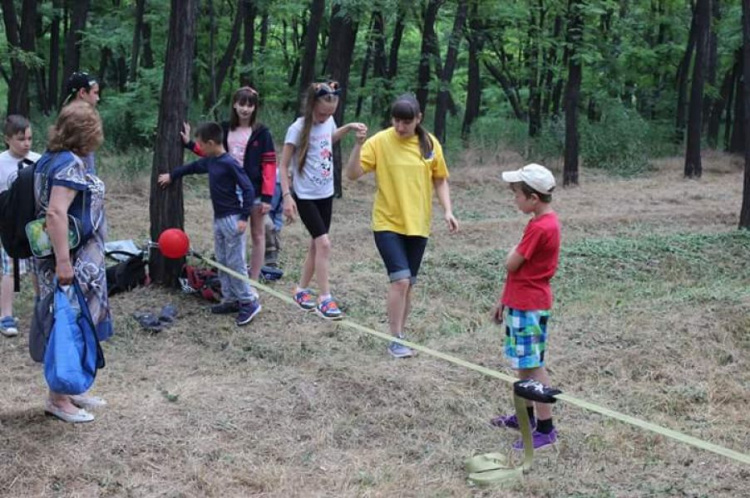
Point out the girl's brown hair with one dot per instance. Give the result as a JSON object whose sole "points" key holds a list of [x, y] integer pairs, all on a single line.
{"points": [[78, 128], [327, 92], [244, 96], [406, 107]]}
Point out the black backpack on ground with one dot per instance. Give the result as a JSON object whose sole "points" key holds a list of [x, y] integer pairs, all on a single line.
{"points": [[126, 275], [17, 208]]}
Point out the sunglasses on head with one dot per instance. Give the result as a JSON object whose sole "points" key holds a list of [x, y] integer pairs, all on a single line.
{"points": [[328, 88]]}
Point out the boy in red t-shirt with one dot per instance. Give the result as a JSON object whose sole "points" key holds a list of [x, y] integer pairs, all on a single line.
{"points": [[527, 296]]}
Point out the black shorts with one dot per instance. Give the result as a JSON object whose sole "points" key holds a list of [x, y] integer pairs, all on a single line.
{"points": [[402, 254], [315, 215]]}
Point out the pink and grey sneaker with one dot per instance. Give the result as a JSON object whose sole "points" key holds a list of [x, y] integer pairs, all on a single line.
{"points": [[539, 440], [305, 300], [510, 422], [329, 310]]}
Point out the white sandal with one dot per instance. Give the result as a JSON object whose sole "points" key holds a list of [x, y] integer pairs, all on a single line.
{"points": [[83, 401]]}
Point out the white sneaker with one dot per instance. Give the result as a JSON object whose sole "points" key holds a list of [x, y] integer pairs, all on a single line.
{"points": [[8, 326]]}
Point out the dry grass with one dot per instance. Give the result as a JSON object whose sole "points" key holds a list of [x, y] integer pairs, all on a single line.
{"points": [[651, 320]]}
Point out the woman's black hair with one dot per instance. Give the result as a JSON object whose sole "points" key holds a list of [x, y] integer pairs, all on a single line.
{"points": [[406, 107]]}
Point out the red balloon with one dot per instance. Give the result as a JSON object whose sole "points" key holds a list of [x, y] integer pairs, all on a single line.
{"points": [[174, 243]]}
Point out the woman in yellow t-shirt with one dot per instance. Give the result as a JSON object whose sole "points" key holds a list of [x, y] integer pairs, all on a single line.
{"points": [[408, 163]]}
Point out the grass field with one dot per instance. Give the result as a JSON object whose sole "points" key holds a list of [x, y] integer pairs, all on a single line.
{"points": [[652, 318]]}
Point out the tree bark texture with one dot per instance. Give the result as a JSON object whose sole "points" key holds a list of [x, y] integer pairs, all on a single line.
{"points": [[140, 10], [426, 51], [166, 205], [307, 69], [573, 94], [226, 60], [53, 65], [682, 81], [248, 46], [451, 57], [79, 11], [693, 166], [745, 210], [475, 40], [340, 54], [23, 40]]}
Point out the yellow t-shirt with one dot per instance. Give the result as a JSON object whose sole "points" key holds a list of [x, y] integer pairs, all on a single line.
{"points": [[403, 202]]}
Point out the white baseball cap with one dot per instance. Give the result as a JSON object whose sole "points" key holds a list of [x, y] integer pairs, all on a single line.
{"points": [[534, 175]]}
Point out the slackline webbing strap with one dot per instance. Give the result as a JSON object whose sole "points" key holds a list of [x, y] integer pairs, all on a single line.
{"points": [[676, 435]]}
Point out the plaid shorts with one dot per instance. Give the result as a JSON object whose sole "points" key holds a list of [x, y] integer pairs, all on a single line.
{"points": [[525, 337], [8, 263]]}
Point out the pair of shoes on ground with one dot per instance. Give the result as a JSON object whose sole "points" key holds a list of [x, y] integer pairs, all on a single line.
{"points": [[156, 323], [539, 439], [327, 308], [245, 311], [81, 401], [9, 326]]}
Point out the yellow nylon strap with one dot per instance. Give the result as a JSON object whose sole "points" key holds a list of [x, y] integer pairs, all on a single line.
{"points": [[677, 436]]}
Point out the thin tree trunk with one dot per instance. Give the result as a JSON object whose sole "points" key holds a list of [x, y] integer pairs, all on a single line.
{"points": [[535, 100], [504, 81], [231, 50], [398, 34], [426, 51], [339, 62], [572, 93], [365, 68], [745, 211], [736, 142], [248, 46], [550, 60], [307, 69], [451, 57], [712, 58], [166, 205], [210, 100], [23, 39], [693, 166], [735, 80], [78, 14], [473, 102], [682, 82], [54, 55], [140, 9], [717, 107]]}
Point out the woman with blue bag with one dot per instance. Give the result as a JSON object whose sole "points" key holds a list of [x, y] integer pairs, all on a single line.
{"points": [[70, 197]]}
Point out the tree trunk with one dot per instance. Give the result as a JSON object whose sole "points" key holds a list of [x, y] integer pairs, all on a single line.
{"points": [[54, 55], [166, 206], [736, 142], [426, 52], [535, 99], [18, 91], [78, 15], [398, 34], [693, 166], [148, 53], [475, 38], [340, 53], [745, 211], [717, 107], [248, 46], [382, 92], [140, 9], [210, 101], [365, 68], [735, 80], [712, 58], [451, 57], [572, 93], [682, 80], [307, 69], [228, 57], [550, 60]]}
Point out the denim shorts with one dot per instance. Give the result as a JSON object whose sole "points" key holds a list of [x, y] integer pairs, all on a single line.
{"points": [[525, 337], [402, 254]]}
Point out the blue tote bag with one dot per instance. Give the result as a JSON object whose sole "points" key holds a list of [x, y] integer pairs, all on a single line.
{"points": [[73, 353]]}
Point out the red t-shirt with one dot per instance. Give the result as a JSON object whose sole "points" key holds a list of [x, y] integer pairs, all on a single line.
{"points": [[528, 288]]}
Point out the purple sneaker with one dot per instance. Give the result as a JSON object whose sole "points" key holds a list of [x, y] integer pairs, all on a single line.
{"points": [[510, 422], [540, 440]]}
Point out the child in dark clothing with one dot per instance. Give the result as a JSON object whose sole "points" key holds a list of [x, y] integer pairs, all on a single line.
{"points": [[225, 179]]}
